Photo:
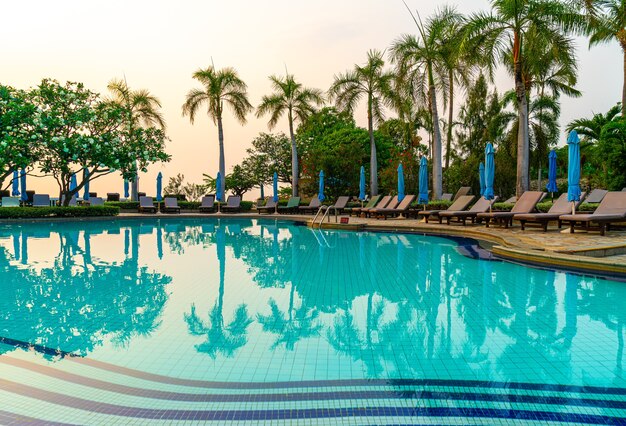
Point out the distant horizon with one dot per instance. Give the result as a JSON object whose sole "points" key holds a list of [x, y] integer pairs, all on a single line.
{"points": [[158, 45]]}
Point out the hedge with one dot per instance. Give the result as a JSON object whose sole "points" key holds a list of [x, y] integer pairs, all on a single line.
{"points": [[35, 212]]}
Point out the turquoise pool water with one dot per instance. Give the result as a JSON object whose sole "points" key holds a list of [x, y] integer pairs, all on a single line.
{"points": [[250, 321]]}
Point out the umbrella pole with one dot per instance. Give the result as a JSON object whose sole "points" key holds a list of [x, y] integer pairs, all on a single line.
{"points": [[573, 207]]}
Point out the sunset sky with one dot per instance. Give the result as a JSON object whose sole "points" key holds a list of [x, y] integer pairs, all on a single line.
{"points": [[157, 45]]}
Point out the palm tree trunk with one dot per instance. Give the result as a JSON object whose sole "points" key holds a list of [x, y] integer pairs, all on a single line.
{"points": [[450, 118], [523, 147], [624, 82], [436, 154], [220, 132], [295, 171], [373, 159]]}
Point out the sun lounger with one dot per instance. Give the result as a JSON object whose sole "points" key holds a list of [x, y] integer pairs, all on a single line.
{"points": [[113, 196], [10, 201], [623, 189], [382, 203], [338, 207], [526, 204], [511, 200], [171, 205], [73, 201], [612, 209], [5, 193], [464, 190], [208, 204], [459, 205], [596, 196], [146, 205], [291, 207], [392, 203], [41, 200], [233, 204], [446, 197], [370, 204], [269, 207], [313, 206], [96, 201], [403, 207], [560, 207], [480, 206]]}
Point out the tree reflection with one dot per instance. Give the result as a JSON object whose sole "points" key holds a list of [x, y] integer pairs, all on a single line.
{"points": [[79, 302], [221, 338]]}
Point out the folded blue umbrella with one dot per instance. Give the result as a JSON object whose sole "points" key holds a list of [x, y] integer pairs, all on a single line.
{"points": [[481, 177], [573, 167], [85, 177], [400, 182], [320, 192], [73, 183], [490, 172], [15, 190], [159, 187], [219, 195], [551, 187], [126, 189], [362, 184], [423, 182], [275, 187], [23, 185]]}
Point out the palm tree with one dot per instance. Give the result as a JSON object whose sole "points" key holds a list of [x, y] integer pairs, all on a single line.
{"points": [[608, 23], [423, 63], [298, 102], [221, 87], [591, 128], [500, 36], [143, 110], [370, 81]]}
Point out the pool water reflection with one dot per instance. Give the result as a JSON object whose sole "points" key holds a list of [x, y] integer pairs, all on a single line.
{"points": [[238, 303]]}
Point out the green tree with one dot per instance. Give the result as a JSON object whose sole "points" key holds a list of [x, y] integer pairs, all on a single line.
{"points": [[80, 133], [142, 110], [500, 36], [220, 87], [424, 64], [19, 141], [298, 102], [590, 129], [374, 83]]}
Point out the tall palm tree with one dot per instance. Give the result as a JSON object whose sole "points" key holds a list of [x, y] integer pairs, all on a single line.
{"points": [[422, 64], [608, 23], [143, 110], [500, 35], [221, 87], [298, 102], [374, 83]]}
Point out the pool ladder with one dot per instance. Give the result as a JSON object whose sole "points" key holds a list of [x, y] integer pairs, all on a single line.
{"points": [[326, 210]]}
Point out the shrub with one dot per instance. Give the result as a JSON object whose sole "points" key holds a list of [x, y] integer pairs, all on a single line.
{"points": [[123, 205], [502, 207], [433, 205], [35, 212]]}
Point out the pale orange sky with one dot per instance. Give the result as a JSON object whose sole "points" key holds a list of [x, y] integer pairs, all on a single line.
{"points": [[157, 45]]}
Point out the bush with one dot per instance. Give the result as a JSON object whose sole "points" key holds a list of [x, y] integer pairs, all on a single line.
{"points": [[433, 205], [587, 207], [35, 212], [502, 207], [123, 205]]}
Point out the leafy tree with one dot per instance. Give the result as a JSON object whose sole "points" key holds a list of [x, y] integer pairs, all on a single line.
{"points": [[298, 102], [374, 83], [240, 180], [80, 133], [220, 88], [270, 152], [500, 36], [142, 110], [19, 143], [612, 148], [424, 64]]}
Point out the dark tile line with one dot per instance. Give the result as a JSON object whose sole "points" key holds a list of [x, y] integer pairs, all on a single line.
{"points": [[309, 396], [349, 382], [37, 348], [313, 413], [7, 418]]}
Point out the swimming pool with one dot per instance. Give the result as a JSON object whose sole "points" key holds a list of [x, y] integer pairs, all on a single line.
{"points": [[245, 320]]}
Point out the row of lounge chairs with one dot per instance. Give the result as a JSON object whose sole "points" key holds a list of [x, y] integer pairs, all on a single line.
{"points": [[43, 200], [207, 205]]}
